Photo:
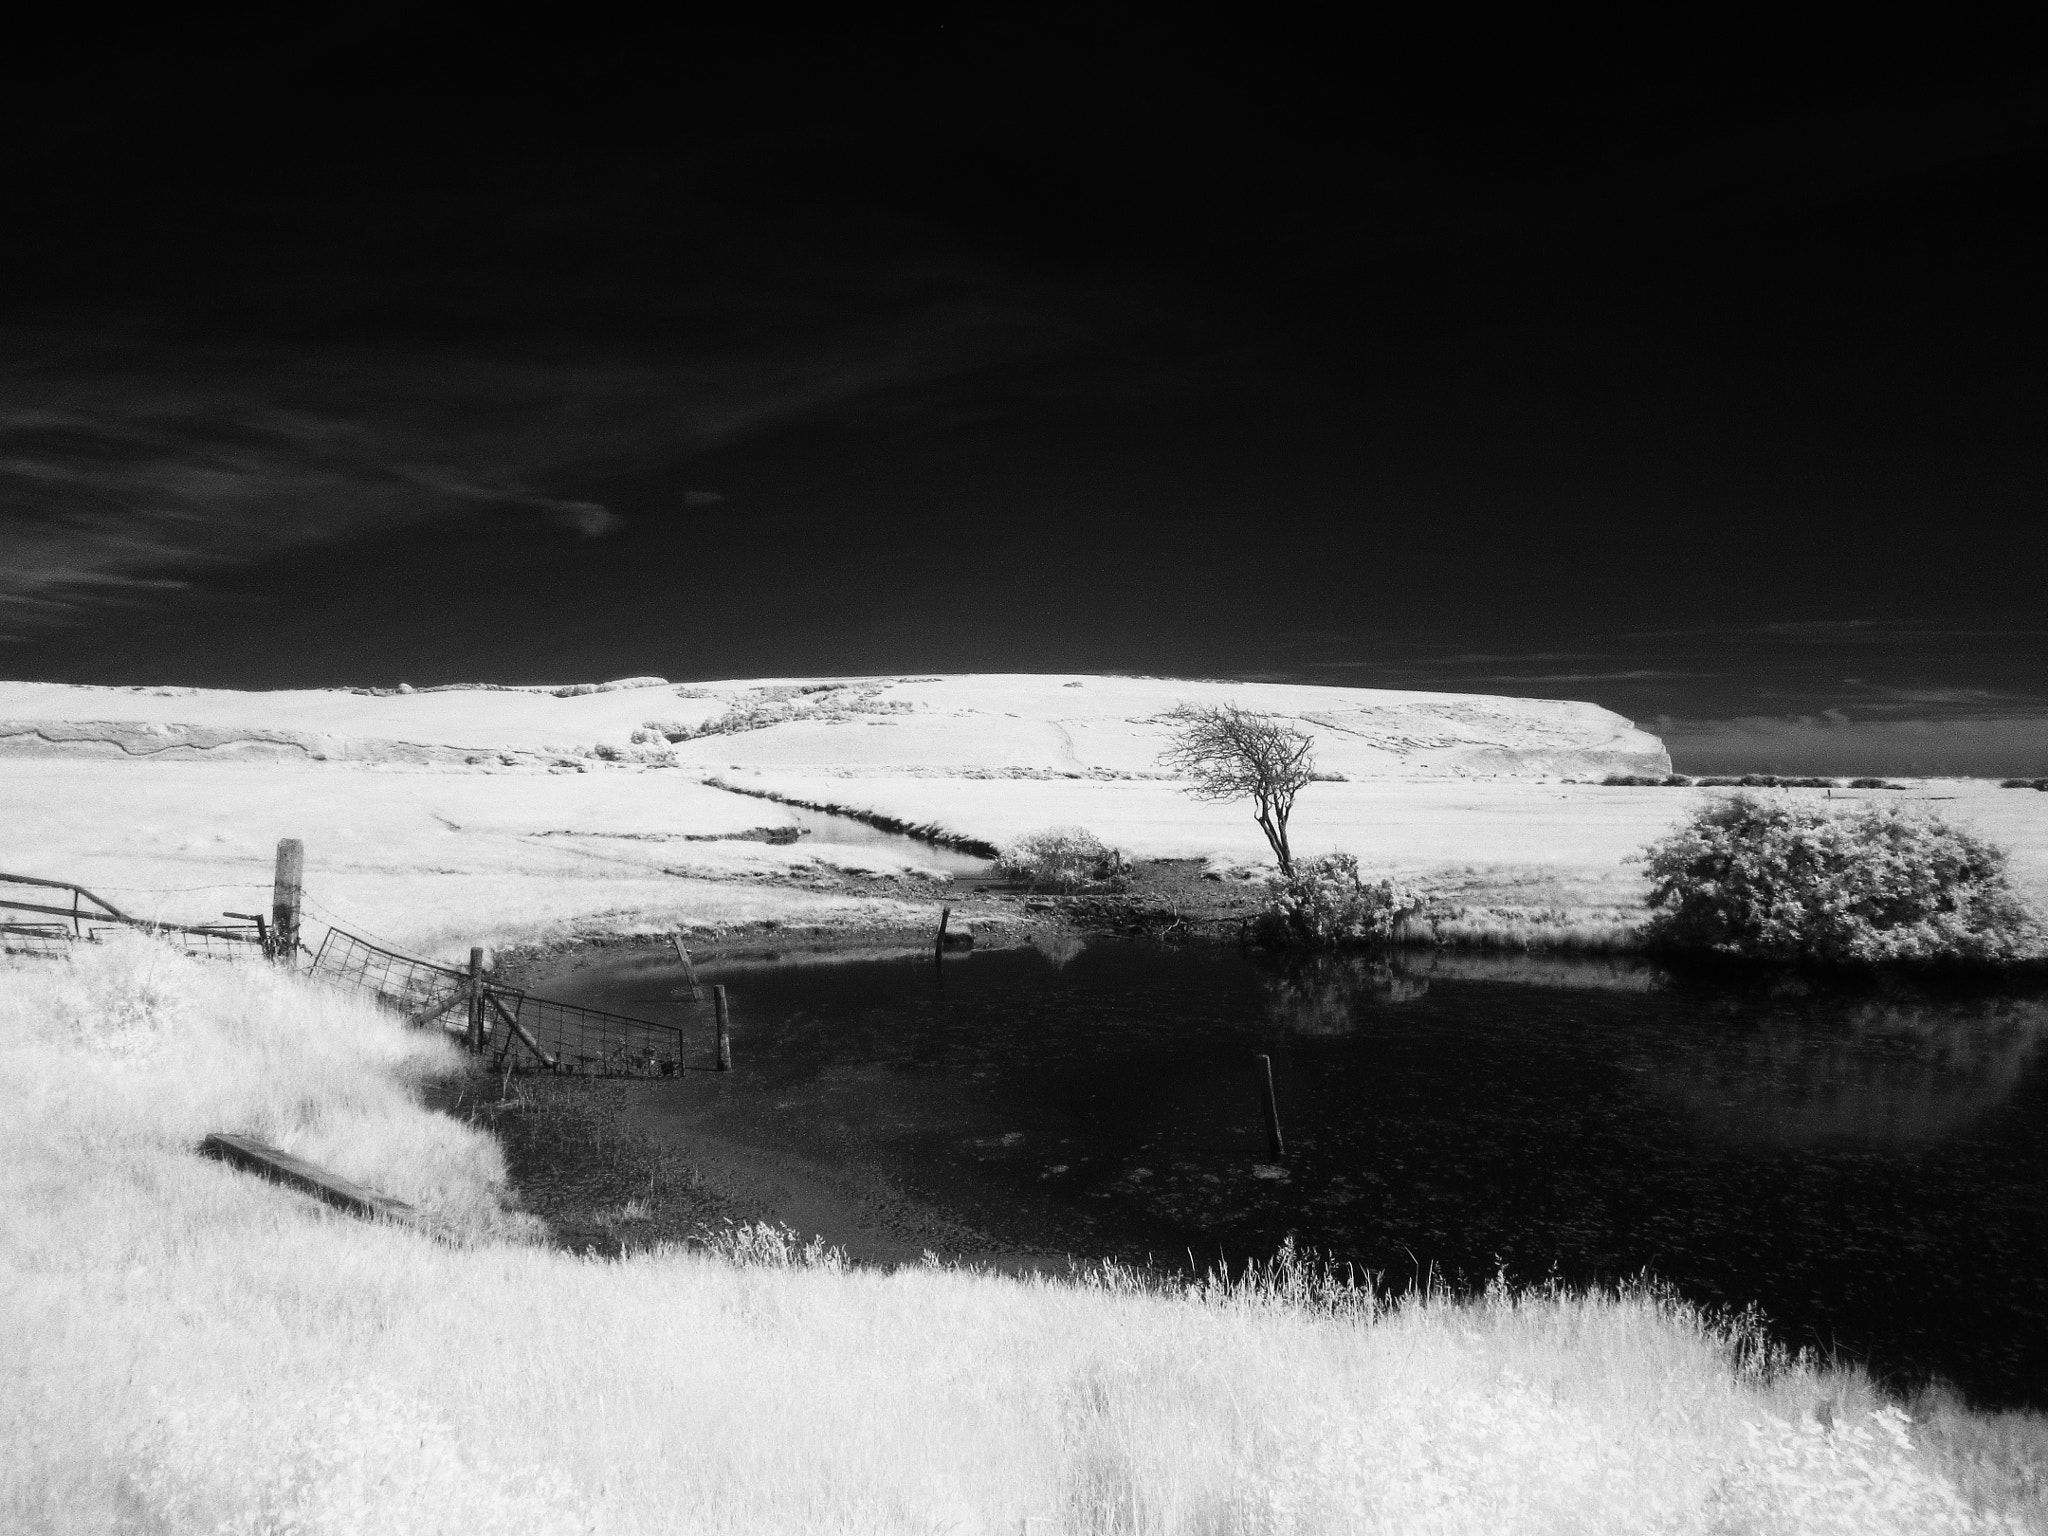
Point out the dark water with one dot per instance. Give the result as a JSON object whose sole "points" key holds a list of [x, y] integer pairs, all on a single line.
{"points": [[1871, 1169]]}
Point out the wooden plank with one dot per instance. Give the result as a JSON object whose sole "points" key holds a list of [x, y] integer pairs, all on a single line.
{"points": [[689, 970], [512, 1023], [459, 995], [255, 1157], [76, 891]]}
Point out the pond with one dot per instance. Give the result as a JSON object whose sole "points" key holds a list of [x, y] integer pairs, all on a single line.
{"points": [[1869, 1168]]}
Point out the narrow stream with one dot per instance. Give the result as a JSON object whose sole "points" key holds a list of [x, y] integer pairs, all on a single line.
{"points": [[822, 829], [1870, 1168]]}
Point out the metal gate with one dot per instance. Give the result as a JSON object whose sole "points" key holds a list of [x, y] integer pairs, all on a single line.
{"points": [[507, 1021]]}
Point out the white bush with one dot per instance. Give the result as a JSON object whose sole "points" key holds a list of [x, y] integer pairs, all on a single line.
{"points": [[1064, 858]]}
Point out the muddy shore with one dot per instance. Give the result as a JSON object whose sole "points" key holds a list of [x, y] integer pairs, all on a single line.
{"points": [[1167, 898]]}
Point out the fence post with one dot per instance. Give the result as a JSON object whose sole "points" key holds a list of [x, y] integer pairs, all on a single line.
{"points": [[284, 899], [724, 1028], [939, 941], [1274, 1144], [476, 998]]}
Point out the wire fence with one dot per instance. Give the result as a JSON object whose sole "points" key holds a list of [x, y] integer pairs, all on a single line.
{"points": [[518, 1027], [413, 987], [86, 918], [590, 1040], [515, 1024], [200, 943], [36, 939]]}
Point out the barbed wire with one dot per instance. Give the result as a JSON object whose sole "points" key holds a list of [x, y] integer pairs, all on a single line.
{"points": [[177, 890], [349, 924]]}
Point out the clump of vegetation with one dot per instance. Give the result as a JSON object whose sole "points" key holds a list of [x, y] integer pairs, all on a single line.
{"points": [[1326, 904], [1773, 879], [781, 703], [1874, 784], [1645, 781], [580, 690], [2024, 784], [1776, 781], [769, 1245], [1067, 859]]}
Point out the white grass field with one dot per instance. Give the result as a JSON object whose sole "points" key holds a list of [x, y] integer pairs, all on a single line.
{"points": [[1462, 795], [432, 858], [191, 1349]]}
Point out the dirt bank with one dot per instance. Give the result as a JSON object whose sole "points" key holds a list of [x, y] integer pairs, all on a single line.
{"points": [[615, 1166], [1168, 898]]}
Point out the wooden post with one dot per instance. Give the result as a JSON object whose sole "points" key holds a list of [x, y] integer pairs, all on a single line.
{"points": [[689, 970], [284, 899], [1274, 1144], [724, 1029], [476, 998], [939, 943]]}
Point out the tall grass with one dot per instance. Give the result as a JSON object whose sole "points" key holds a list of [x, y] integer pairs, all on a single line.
{"points": [[1577, 930], [192, 1349]]}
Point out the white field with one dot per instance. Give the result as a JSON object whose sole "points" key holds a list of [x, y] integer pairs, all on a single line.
{"points": [[192, 1349], [407, 840], [433, 860]]}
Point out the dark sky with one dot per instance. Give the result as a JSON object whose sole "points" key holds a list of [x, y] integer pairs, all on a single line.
{"points": [[1696, 373]]}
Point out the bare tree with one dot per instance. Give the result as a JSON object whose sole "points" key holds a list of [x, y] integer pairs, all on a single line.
{"points": [[1228, 753]]}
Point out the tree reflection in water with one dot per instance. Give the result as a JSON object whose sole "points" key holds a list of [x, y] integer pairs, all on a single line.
{"points": [[1060, 948], [1326, 994], [1875, 1070]]}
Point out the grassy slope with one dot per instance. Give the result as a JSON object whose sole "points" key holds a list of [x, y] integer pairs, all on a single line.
{"points": [[439, 859], [193, 1349]]}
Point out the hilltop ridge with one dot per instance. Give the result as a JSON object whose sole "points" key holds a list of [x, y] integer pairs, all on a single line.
{"points": [[965, 724]]}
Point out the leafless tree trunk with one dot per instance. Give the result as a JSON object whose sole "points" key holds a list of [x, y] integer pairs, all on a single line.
{"points": [[1229, 753]]}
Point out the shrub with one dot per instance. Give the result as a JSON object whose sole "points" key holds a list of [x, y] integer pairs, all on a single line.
{"points": [[1065, 858], [1645, 781], [1324, 903], [1779, 781], [1786, 880], [2024, 784]]}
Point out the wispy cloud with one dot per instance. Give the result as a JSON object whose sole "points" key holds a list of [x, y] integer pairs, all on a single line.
{"points": [[1785, 631], [1634, 674], [129, 461], [1457, 659]]}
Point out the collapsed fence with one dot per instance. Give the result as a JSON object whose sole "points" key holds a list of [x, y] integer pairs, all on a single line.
{"points": [[517, 1028], [56, 928]]}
